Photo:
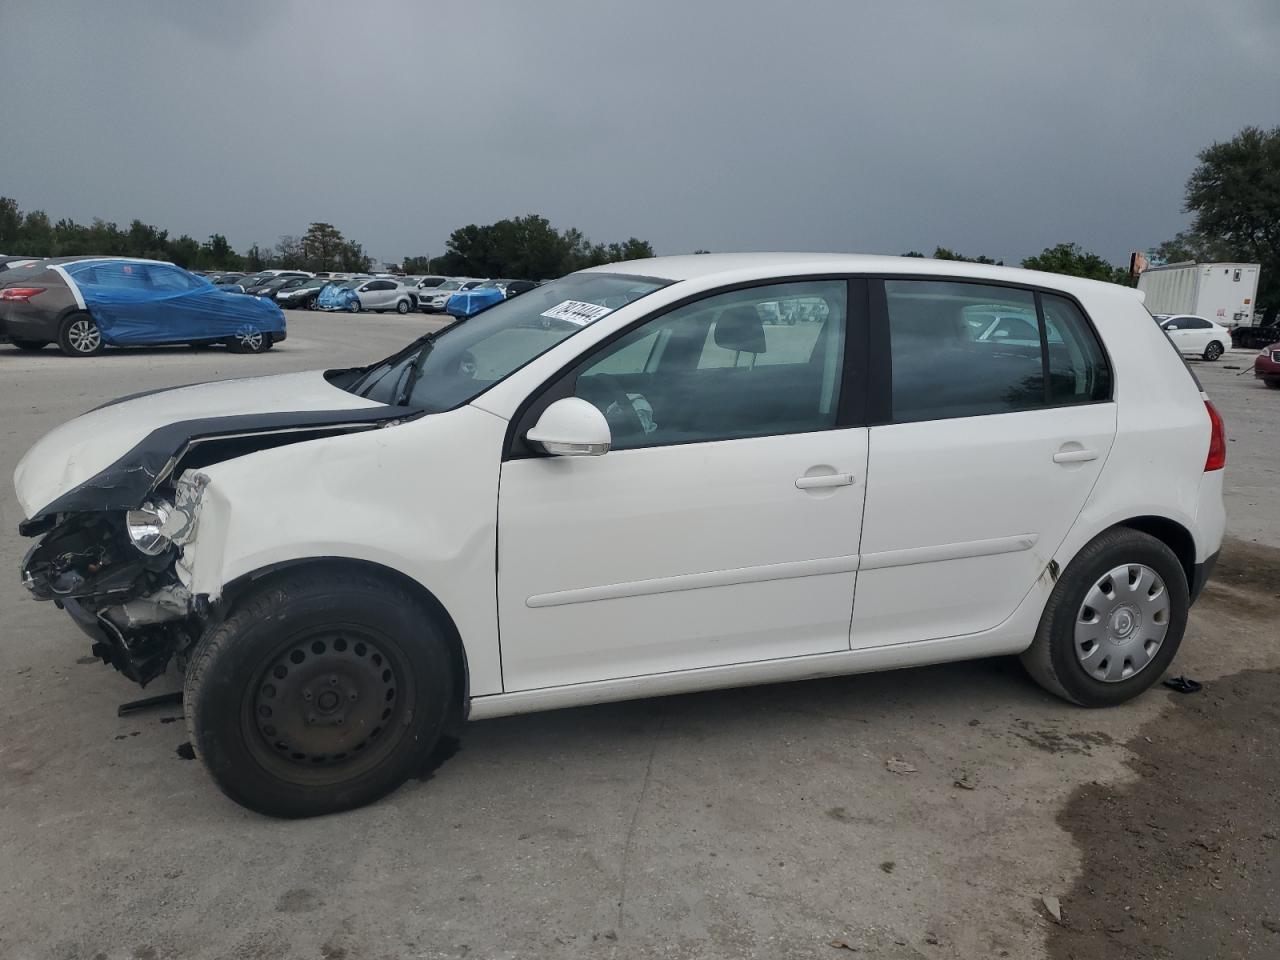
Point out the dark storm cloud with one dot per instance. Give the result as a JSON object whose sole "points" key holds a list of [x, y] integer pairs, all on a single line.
{"points": [[996, 126]]}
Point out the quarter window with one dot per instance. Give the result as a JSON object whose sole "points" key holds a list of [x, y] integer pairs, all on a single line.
{"points": [[1078, 369], [757, 362]]}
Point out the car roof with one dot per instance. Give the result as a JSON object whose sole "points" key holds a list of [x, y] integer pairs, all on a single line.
{"points": [[731, 267]]}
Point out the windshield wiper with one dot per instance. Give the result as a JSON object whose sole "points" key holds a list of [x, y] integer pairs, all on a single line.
{"points": [[415, 369]]}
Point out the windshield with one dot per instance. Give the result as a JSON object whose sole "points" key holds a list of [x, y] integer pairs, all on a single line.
{"points": [[450, 285], [450, 368]]}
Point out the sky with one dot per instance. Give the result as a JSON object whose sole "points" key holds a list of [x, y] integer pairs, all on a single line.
{"points": [[997, 127]]}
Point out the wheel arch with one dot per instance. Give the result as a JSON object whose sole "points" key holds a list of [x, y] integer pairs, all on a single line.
{"points": [[1172, 534], [236, 588]]}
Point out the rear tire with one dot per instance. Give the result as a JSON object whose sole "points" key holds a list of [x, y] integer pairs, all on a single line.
{"points": [[402, 307], [79, 336], [1213, 351], [31, 345], [1061, 659], [321, 692]]}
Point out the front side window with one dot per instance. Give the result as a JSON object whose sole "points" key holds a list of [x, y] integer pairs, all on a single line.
{"points": [[756, 362], [967, 349]]}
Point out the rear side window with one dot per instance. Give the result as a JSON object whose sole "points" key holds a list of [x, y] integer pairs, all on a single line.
{"points": [[967, 349], [962, 350]]}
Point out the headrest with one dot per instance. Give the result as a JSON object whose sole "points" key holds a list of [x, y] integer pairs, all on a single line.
{"points": [[740, 328]]}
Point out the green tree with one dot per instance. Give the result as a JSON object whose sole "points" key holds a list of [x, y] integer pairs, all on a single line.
{"points": [[10, 224], [1070, 259], [944, 253], [417, 265], [322, 246], [1234, 195]]}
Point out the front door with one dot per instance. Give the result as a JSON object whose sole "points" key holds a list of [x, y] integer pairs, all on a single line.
{"points": [[979, 467], [723, 525]]}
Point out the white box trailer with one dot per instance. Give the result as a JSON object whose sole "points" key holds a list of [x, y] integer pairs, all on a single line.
{"points": [[1226, 292]]}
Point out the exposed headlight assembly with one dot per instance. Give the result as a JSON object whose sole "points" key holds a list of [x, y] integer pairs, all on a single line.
{"points": [[146, 527]]}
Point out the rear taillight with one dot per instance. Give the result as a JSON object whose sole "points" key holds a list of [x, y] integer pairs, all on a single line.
{"points": [[1217, 458], [20, 294]]}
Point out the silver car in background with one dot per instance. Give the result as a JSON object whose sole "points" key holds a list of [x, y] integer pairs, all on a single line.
{"points": [[382, 294]]}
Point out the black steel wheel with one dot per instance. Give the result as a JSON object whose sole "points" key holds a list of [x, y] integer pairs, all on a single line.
{"points": [[321, 692]]}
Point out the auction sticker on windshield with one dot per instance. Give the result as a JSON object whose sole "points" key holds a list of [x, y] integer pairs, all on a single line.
{"points": [[577, 311]]}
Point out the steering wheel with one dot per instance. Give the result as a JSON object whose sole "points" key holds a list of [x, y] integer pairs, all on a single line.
{"points": [[617, 396]]}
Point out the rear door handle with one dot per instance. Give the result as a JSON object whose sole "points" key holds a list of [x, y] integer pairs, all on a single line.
{"points": [[1075, 456], [825, 480]]}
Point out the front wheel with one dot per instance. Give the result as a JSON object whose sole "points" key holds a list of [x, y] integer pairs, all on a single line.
{"points": [[1113, 622], [320, 693], [1213, 351], [250, 341], [79, 336]]}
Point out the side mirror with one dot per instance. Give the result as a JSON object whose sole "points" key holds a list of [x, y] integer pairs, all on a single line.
{"points": [[571, 428]]}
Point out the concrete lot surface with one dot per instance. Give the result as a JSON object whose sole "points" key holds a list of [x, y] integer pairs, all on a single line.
{"points": [[765, 822]]}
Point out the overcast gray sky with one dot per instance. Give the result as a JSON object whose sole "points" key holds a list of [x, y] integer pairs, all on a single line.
{"points": [[989, 126]]}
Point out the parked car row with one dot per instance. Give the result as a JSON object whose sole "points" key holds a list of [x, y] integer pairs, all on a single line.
{"points": [[85, 304]]}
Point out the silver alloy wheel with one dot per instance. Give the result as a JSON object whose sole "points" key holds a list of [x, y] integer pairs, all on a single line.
{"points": [[250, 340], [1122, 623], [84, 336]]}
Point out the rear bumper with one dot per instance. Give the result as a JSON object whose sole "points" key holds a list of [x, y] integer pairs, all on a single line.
{"points": [[1201, 573]]}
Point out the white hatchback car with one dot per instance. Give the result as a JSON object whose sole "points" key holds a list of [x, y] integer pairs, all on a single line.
{"points": [[1196, 336], [638, 480]]}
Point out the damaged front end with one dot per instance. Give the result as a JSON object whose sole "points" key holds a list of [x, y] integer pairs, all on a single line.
{"points": [[115, 573]]}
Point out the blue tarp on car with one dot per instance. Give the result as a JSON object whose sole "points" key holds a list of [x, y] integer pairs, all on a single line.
{"points": [[467, 303], [336, 296], [143, 302]]}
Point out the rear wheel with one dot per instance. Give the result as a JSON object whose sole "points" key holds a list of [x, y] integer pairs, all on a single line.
{"points": [[321, 692], [402, 306], [31, 344], [1213, 351], [79, 336], [1113, 622]]}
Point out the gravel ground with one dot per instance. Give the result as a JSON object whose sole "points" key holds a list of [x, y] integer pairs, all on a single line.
{"points": [[753, 823]]}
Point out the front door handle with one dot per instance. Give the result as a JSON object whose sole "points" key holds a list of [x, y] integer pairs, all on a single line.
{"points": [[1075, 456], [824, 480]]}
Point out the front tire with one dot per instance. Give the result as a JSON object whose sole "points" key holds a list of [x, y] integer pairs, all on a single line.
{"points": [[320, 693], [79, 336], [1114, 621], [1213, 351], [353, 306], [250, 341]]}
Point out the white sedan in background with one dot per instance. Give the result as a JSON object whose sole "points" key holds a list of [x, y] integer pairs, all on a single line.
{"points": [[1196, 336]]}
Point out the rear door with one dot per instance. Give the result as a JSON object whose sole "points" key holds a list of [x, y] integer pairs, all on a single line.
{"points": [[984, 452]]}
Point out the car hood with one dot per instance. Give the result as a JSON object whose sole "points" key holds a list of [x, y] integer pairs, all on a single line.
{"points": [[112, 456]]}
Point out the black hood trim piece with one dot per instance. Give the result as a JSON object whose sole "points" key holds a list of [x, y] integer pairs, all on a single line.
{"points": [[125, 484]]}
